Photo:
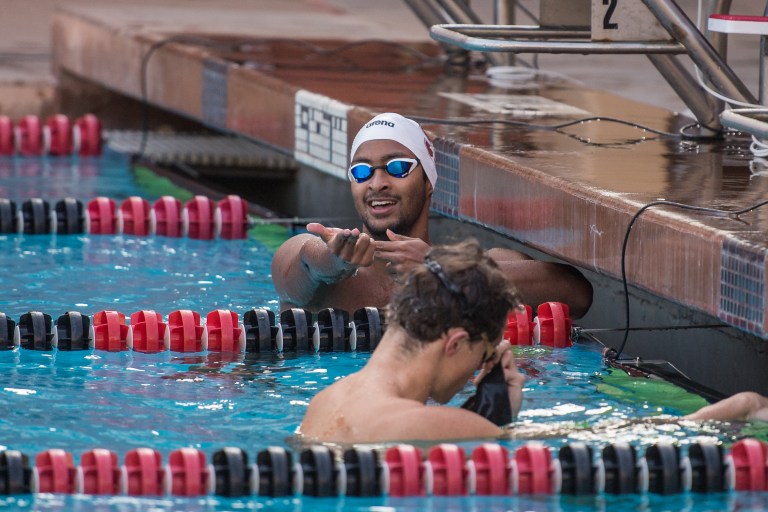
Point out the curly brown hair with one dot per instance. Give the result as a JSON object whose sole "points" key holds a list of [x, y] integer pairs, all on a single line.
{"points": [[458, 286]]}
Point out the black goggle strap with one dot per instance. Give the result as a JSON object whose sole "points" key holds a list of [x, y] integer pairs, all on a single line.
{"points": [[435, 267]]}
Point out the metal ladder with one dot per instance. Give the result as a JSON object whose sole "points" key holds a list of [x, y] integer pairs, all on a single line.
{"points": [[454, 24]]}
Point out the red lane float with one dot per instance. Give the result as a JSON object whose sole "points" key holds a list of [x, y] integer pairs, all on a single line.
{"points": [[223, 333], [491, 471], [101, 218], [534, 464], [231, 218], [553, 325], [750, 464], [449, 472], [110, 331], [7, 143], [54, 472], [185, 331], [148, 333], [197, 218], [86, 135], [520, 326], [187, 473], [143, 472], [99, 473], [165, 217], [29, 136], [57, 135], [133, 217], [405, 470]]}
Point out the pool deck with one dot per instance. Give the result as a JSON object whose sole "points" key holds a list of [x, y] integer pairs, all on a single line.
{"points": [[279, 73]]}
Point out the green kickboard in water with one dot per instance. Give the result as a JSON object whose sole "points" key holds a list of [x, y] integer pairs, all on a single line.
{"points": [[159, 186], [651, 392], [271, 236]]}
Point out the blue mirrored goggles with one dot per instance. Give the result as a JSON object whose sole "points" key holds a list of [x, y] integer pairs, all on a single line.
{"points": [[397, 167]]}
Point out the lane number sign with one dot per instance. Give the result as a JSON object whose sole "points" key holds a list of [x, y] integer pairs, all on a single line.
{"points": [[625, 20]]}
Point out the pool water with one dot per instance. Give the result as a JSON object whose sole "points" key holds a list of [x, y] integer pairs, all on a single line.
{"points": [[78, 401]]}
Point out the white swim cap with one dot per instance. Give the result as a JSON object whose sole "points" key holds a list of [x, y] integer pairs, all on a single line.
{"points": [[391, 126]]}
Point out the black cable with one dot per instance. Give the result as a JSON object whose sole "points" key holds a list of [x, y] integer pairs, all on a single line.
{"points": [[701, 209], [717, 132], [650, 328], [560, 126], [143, 81]]}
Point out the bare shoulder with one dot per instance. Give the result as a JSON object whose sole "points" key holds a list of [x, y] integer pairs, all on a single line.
{"points": [[346, 412], [440, 422], [291, 247]]}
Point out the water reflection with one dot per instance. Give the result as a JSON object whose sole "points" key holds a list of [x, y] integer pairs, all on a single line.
{"points": [[646, 503]]}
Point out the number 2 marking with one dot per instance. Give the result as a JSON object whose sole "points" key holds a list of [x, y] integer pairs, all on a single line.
{"points": [[607, 24]]}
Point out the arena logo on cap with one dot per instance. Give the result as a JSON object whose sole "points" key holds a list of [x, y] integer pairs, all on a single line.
{"points": [[380, 122]]}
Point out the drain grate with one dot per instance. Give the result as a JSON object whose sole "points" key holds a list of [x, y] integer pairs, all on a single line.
{"points": [[199, 150]]}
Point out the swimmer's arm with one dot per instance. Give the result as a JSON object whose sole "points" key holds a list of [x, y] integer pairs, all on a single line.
{"points": [[741, 406], [306, 263], [541, 281], [302, 266]]}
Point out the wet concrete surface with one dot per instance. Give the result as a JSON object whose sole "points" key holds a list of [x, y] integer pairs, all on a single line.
{"points": [[626, 159], [25, 35]]}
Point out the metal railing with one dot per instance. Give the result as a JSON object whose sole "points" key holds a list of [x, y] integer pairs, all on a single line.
{"points": [[455, 25]]}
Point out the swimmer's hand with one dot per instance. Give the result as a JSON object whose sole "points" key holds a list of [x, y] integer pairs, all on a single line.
{"points": [[512, 376], [350, 245], [400, 252]]}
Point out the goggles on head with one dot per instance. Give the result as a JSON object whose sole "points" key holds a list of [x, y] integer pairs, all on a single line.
{"points": [[397, 168]]}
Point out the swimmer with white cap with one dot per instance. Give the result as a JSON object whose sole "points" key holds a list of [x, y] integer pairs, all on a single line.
{"points": [[402, 130], [393, 175]]}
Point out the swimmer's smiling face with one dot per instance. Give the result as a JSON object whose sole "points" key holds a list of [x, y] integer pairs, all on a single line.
{"points": [[386, 202]]}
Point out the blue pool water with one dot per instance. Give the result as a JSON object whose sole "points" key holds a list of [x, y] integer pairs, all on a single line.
{"points": [[83, 400]]}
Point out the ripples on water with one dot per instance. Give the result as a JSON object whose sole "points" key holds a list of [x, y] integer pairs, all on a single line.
{"points": [[82, 400]]}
